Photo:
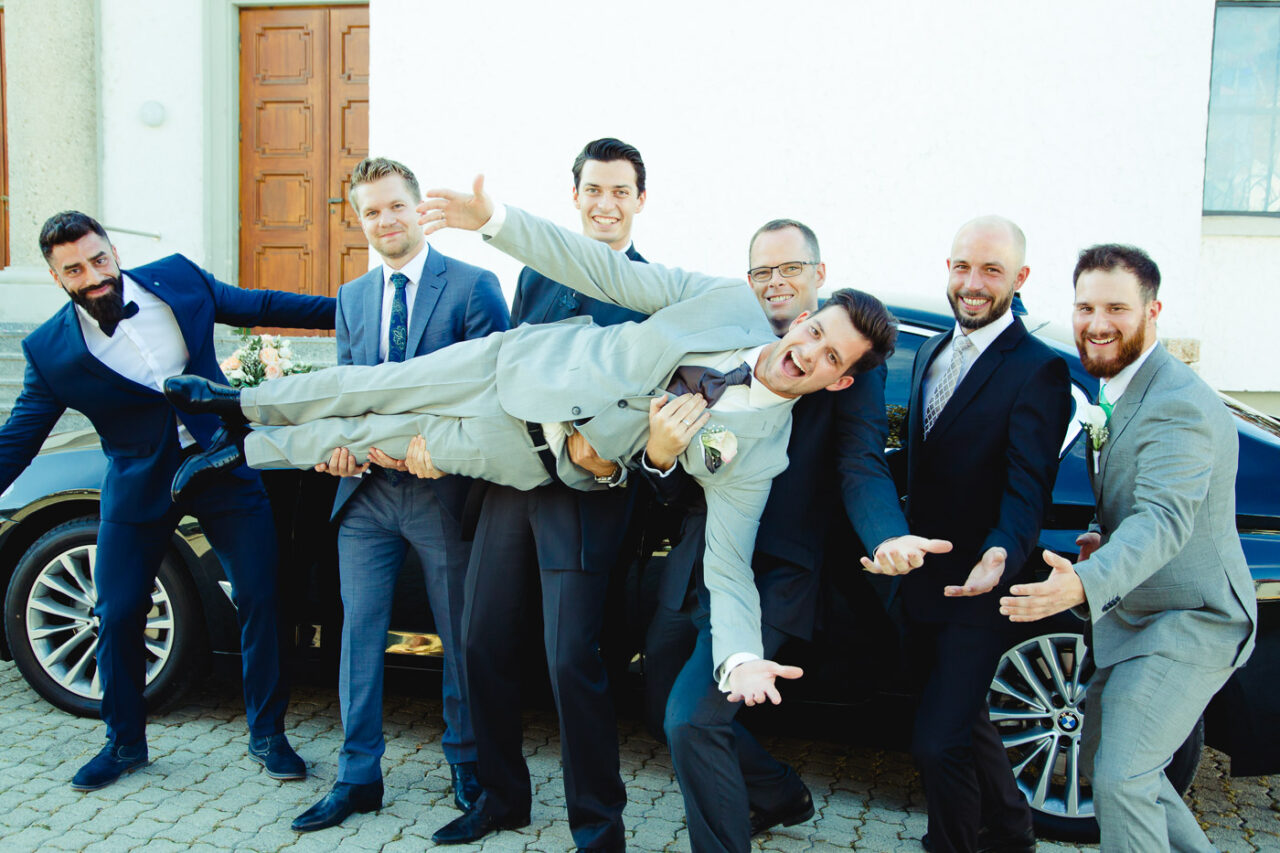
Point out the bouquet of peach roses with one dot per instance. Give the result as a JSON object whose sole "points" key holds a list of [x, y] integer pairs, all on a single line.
{"points": [[259, 358]]}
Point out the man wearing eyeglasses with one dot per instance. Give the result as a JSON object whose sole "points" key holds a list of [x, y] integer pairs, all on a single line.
{"points": [[733, 788]]}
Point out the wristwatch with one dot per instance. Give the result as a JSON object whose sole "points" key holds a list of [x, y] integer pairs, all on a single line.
{"points": [[617, 478]]}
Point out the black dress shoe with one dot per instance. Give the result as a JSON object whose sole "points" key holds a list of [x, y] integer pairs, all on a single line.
{"points": [[108, 765], [466, 786], [274, 753], [343, 800], [798, 810], [987, 843], [201, 471], [198, 395], [476, 824]]}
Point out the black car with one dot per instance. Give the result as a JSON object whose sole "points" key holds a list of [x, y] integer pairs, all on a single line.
{"points": [[48, 530]]}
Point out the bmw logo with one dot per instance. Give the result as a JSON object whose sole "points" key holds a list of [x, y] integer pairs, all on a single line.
{"points": [[1068, 721]]}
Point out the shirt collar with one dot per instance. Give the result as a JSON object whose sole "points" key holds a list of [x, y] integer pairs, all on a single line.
{"points": [[413, 269], [759, 396], [984, 337], [1117, 384]]}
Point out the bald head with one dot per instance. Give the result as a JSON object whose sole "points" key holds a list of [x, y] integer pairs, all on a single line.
{"points": [[995, 225], [987, 266]]}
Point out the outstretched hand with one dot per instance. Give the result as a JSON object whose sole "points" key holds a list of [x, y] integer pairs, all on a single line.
{"points": [[983, 577], [1062, 590], [901, 554], [752, 681], [445, 208], [672, 425]]}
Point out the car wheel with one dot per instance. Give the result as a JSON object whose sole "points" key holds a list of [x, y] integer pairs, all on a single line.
{"points": [[53, 631], [1037, 703]]}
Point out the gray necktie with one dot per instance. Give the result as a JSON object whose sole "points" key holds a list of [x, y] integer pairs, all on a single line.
{"points": [[961, 348]]}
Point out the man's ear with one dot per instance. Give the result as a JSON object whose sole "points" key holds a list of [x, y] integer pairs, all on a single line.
{"points": [[820, 272], [1153, 310], [840, 384], [641, 200], [1021, 278], [575, 198], [804, 315]]}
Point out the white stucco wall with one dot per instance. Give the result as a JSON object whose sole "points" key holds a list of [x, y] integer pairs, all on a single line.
{"points": [[884, 126], [153, 177], [1240, 280]]}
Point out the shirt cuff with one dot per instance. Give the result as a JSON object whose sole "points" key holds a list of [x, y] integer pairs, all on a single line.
{"points": [[644, 463], [728, 666], [495, 223]]}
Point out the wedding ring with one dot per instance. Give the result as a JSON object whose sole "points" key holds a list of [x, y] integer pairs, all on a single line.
{"points": [[686, 423]]}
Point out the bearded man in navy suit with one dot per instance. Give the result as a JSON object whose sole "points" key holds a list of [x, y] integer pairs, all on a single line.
{"points": [[414, 302], [106, 354]]}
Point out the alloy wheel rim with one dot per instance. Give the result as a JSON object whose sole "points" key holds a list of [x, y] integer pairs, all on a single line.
{"points": [[1036, 702], [62, 628]]}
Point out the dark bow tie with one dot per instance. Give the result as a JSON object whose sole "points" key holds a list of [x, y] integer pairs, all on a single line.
{"points": [[708, 382], [109, 329]]}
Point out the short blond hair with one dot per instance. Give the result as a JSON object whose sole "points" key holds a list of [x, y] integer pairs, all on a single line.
{"points": [[373, 169]]}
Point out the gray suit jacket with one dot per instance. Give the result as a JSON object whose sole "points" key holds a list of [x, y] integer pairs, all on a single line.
{"points": [[606, 378], [1170, 577]]}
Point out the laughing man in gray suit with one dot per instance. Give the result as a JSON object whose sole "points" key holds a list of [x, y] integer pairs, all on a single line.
{"points": [[477, 403], [1161, 574]]}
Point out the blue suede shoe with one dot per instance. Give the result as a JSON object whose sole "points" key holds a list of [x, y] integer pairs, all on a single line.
{"points": [[109, 765], [274, 753]]}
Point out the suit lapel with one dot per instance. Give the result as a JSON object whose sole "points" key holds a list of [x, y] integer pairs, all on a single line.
{"points": [[978, 374], [372, 337], [915, 406], [1130, 400], [424, 302]]}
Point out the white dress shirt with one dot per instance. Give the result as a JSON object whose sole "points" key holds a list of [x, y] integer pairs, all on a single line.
{"points": [[413, 271], [980, 338], [147, 348]]}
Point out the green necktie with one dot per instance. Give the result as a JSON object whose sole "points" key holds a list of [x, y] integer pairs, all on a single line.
{"points": [[1102, 401]]}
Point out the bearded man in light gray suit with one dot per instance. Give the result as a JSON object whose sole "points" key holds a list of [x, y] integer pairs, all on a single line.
{"points": [[1161, 573], [501, 408]]}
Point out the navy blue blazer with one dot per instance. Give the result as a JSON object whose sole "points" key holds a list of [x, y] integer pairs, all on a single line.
{"points": [[985, 475], [455, 301], [835, 454], [137, 426]]}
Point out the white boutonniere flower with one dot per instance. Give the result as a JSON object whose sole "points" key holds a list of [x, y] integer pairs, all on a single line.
{"points": [[719, 446], [1094, 421]]}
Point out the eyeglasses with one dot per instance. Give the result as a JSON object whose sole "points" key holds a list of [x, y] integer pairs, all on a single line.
{"points": [[791, 269]]}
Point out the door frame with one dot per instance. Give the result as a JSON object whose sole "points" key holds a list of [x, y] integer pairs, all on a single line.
{"points": [[222, 127]]}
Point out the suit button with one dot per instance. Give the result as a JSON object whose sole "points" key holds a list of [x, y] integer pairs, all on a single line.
{"points": [[622, 404], [575, 411]]}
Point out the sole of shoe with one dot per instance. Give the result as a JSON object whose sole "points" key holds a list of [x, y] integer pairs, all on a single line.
{"points": [[114, 779]]}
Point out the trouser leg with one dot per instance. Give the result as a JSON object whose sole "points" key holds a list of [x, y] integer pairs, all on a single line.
{"points": [[1139, 713], [128, 557], [237, 519]]}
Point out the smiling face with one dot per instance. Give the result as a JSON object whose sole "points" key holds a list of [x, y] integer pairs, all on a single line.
{"points": [[985, 270], [390, 222], [815, 353], [783, 299], [1112, 323], [607, 197], [89, 271]]}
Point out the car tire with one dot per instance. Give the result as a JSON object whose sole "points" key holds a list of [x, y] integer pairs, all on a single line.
{"points": [[1036, 702], [52, 630]]}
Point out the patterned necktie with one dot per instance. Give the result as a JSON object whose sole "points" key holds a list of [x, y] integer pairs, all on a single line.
{"points": [[398, 339], [1103, 403], [707, 381], [961, 347]]}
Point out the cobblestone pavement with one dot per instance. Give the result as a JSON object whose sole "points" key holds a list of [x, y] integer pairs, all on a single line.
{"points": [[201, 792]]}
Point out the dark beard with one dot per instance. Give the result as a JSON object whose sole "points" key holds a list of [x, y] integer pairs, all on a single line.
{"points": [[107, 309], [995, 312], [1130, 348]]}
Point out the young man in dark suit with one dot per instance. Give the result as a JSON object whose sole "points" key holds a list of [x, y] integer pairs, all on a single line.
{"points": [[989, 408], [569, 541], [416, 301], [106, 353], [733, 789]]}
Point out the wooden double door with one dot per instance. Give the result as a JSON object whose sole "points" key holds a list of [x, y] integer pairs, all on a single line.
{"points": [[304, 124]]}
